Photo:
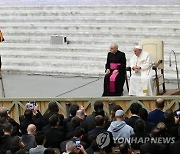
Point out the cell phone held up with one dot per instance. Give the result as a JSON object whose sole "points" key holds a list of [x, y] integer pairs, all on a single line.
{"points": [[30, 105], [78, 143]]}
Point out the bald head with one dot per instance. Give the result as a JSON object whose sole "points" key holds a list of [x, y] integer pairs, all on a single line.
{"points": [[113, 47], [31, 129], [80, 114], [160, 103]]}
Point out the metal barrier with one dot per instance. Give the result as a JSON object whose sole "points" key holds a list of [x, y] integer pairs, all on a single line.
{"points": [[16, 106]]}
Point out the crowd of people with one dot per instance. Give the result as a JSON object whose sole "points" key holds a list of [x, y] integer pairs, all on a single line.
{"points": [[84, 134]]}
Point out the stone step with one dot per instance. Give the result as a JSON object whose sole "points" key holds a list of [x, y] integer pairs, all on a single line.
{"points": [[90, 7]]}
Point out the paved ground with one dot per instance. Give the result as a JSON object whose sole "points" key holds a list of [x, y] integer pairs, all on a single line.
{"points": [[21, 85], [88, 2]]}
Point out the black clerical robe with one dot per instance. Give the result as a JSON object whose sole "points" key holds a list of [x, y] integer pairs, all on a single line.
{"points": [[113, 83]]}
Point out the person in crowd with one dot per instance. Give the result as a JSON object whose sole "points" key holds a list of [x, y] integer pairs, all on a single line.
{"points": [[40, 138], [77, 136], [157, 115], [140, 133], [53, 108], [72, 111], [4, 113], [154, 147], [125, 149], [71, 126], [5, 140], [71, 148], [134, 108], [169, 120], [90, 119], [143, 114], [141, 80], [162, 129], [60, 127], [16, 145], [29, 138], [54, 136], [115, 72], [119, 128], [31, 116], [113, 111]]}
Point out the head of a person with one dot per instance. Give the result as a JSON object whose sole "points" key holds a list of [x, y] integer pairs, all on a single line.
{"points": [[80, 114], [53, 107], [124, 148], [7, 128], [135, 107], [143, 114], [119, 115], [98, 105], [70, 147], [28, 114], [16, 144], [73, 109], [78, 133], [155, 132], [160, 103], [54, 120], [40, 138], [75, 121], [113, 47], [49, 151], [139, 126], [169, 114], [137, 50], [99, 121], [162, 128], [31, 129], [3, 112], [113, 111]]}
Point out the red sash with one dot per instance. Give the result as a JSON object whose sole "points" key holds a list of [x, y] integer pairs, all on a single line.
{"points": [[113, 66]]}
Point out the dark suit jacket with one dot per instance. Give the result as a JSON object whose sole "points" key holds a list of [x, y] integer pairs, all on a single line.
{"points": [[131, 121], [54, 137]]}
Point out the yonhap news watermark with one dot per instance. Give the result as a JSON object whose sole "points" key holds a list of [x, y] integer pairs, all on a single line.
{"points": [[104, 140], [143, 140]]}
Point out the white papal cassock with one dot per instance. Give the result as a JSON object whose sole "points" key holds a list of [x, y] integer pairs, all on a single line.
{"points": [[142, 83]]}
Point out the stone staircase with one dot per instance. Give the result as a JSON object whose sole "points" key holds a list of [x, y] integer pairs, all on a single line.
{"points": [[89, 30]]}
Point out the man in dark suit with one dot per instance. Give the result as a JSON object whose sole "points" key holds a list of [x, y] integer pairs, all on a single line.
{"points": [[115, 72], [157, 115], [54, 136]]}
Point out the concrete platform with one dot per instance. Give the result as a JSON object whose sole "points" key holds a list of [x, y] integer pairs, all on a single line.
{"points": [[23, 85]]}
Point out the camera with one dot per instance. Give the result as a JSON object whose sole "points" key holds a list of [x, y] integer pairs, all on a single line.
{"points": [[30, 105], [78, 144]]}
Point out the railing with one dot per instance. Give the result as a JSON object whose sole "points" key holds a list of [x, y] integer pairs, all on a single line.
{"points": [[16, 106]]}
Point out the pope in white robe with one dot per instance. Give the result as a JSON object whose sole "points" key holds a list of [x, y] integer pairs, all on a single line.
{"points": [[142, 78]]}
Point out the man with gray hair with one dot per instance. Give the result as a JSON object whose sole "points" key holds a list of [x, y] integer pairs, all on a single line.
{"points": [[115, 72], [141, 80]]}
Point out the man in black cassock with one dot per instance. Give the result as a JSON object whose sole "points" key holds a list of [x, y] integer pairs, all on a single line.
{"points": [[115, 72]]}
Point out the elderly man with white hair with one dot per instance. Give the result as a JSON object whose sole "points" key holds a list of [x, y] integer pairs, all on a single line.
{"points": [[141, 80], [115, 72]]}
